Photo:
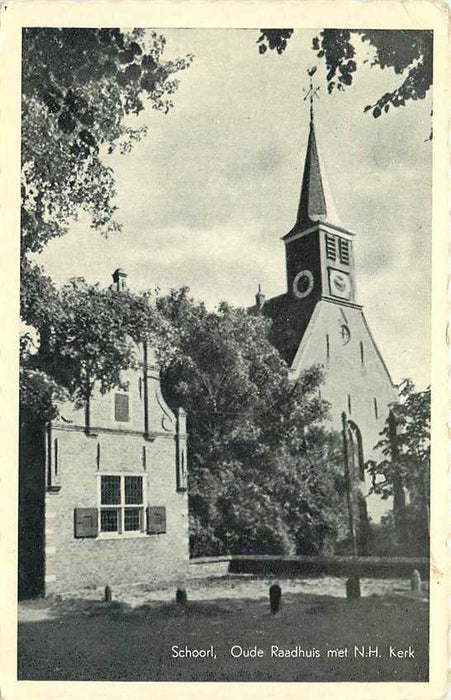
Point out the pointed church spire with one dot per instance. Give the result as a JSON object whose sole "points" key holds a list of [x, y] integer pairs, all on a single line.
{"points": [[312, 204], [316, 202]]}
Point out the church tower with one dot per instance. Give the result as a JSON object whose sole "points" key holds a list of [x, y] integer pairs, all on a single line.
{"points": [[318, 320], [319, 251]]}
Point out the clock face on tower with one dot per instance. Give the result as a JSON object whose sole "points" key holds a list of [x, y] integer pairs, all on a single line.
{"points": [[339, 284], [303, 284]]}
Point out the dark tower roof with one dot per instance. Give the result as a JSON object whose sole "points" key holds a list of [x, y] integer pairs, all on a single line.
{"points": [[312, 204], [316, 203]]}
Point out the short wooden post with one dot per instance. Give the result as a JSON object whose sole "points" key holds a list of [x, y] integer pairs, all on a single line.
{"points": [[180, 596], [353, 587], [415, 581], [275, 597]]}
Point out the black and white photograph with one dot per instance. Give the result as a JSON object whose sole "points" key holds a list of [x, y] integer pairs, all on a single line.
{"points": [[226, 359]]}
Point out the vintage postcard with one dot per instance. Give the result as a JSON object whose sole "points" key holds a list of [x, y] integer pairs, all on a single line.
{"points": [[224, 363]]}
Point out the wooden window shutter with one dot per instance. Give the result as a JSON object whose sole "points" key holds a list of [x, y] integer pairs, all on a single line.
{"points": [[156, 520], [86, 522]]}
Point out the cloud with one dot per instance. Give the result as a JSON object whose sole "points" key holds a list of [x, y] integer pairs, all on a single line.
{"points": [[205, 198]]}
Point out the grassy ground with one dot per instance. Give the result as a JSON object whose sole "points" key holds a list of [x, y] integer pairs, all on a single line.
{"points": [[86, 640]]}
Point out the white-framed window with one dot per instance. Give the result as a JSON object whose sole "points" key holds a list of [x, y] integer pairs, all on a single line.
{"points": [[121, 504]]}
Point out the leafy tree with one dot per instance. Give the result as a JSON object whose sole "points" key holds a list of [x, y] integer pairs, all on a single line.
{"points": [[80, 90], [39, 395], [265, 477], [274, 39], [79, 86], [38, 298], [408, 52], [38, 391], [88, 338], [405, 465]]}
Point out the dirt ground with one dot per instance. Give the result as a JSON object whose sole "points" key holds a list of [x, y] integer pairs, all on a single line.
{"points": [[227, 633]]}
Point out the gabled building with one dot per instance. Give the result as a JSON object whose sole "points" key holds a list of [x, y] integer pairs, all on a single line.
{"points": [[318, 320], [105, 502]]}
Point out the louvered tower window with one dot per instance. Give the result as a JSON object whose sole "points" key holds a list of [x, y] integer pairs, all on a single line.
{"points": [[344, 251], [331, 247]]}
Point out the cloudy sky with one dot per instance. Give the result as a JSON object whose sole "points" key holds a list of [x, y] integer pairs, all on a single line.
{"points": [[206, 197]]}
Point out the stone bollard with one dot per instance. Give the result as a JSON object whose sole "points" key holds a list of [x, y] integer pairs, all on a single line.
{"points": [[108, 594], [353, 587], [275, 596], [180, 596], [415, 581]]}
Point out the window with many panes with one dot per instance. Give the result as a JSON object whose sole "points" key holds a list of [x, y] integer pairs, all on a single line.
{"points": [[121, 504]]}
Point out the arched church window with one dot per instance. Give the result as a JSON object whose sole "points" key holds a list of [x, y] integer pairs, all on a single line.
{"points": [[327, 346], [345, 334], [349, 404]]}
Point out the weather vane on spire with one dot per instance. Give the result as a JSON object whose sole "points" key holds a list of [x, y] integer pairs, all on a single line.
{"points": [[312, 91]]}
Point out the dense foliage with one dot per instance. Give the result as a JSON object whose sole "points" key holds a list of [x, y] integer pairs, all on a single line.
{"points": [[407, 52], [413, 419], [79, 86], [87, 338], [265, 476], [80, 90], [404, 469]]}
